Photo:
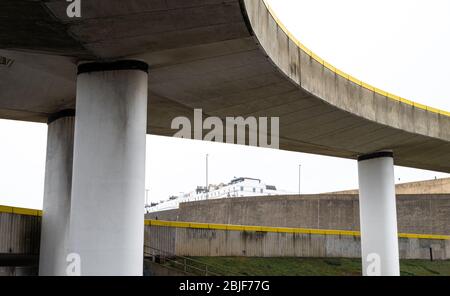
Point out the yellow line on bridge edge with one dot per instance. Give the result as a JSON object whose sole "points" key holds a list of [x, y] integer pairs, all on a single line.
{"points": [[345, 75]]}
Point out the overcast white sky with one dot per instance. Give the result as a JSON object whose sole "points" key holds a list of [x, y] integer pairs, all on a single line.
{"points": [[400, 46]]}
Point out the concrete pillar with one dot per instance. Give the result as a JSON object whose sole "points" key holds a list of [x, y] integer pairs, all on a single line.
{"points": [[378, 214], [57, 190], [107, 215]]}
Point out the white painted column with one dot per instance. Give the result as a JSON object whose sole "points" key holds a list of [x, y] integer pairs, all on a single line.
{"points": [[57, 190], [378, 215], [107, 215]]}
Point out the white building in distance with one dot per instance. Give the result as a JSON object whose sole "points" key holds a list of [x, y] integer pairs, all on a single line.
{"points": [[238, 187]]}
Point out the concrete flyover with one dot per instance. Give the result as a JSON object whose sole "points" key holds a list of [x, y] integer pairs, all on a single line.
{"points": [[227, 57]]}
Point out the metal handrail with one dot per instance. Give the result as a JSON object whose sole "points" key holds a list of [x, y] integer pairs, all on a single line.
{"points": [[172, 254], [187, 264]]}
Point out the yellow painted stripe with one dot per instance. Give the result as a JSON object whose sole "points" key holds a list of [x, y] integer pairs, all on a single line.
{"points": [[177, 224], [345, 75], [230, 227], [20, 211]]}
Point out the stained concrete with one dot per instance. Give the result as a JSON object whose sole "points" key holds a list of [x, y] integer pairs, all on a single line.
{"points": [[106, 227], [19, 234], [57, 197], [211, 242], [421, 214], [19, 237], [438, 186]]}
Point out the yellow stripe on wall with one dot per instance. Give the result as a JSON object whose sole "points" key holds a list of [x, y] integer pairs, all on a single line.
{"points": [[193, 225], [278, 229], [20, 211]]}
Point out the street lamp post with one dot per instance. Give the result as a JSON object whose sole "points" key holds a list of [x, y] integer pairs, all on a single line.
{"points": [[299, 178], [207, 156]]}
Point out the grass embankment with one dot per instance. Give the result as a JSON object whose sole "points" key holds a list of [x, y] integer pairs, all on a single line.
{"points": [[317, 266]]}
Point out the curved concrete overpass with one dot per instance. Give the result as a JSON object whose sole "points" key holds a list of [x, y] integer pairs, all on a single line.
{"points": [[230, 58], [145, 62]]}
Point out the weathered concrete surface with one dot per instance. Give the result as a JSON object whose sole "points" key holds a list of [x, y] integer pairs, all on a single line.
{"points": [[57, 192], [421, 214], [163, 238], [207, 54], [106, 225], [19, 234], [19, 242], [378, 214], [211, 242], [439, 186]]}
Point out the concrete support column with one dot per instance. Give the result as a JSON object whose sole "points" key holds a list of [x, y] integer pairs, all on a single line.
{"points": [[378, 214], [107, 215], [57, 191]]}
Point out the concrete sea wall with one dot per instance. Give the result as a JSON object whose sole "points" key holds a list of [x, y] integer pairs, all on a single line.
{"points": [[193, 241], [421, 214]]}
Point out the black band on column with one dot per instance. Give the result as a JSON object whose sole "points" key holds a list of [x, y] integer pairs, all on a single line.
{"points": [[113, 66], [63, 113], [376, 155]]}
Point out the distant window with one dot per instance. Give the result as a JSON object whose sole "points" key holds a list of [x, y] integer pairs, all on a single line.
{"points": [[261, 190], [254, 189], [271, 187], [242, 188]]}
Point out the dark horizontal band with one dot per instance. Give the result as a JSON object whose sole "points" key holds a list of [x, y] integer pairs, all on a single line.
{"points": [[113, 66], [376, 155], [61, 114]]}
